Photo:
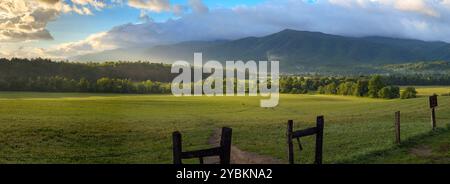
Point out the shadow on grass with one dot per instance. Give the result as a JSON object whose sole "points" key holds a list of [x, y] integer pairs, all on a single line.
{"points": [[398, 150]]}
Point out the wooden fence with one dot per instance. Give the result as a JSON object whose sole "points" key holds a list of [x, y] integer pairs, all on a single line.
{"points": [[223, 151], [318, 131]]}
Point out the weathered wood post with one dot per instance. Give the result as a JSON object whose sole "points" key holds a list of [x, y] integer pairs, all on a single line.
{"points": [[397, 127], [433, 119], [289, 141], [319, 139], [176, 141], [225, 145], [433, 105], [223, 151]]}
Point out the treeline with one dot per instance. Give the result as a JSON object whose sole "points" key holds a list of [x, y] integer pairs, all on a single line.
{"points": [[423, 68], [25, 69], [110, 77], [103, 85], [419, 79], [374, 86], [144, 77]]}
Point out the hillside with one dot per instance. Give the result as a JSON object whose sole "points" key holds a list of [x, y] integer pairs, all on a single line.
{"points": [[298, 51]]}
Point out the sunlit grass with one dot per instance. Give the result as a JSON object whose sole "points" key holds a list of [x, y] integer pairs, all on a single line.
{"points": [[116, 128], [430, 90]]}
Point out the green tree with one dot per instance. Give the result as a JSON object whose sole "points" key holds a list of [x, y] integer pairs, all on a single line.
{"points": [[409, 92], [331, 88], [375, 85], [83, 85], [389, 92], [361, 88], [104, 84], [345, 88], [321, 90]]}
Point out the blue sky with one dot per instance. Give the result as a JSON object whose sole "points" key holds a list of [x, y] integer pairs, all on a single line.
{"points": [[65, 28], [72, 26]]}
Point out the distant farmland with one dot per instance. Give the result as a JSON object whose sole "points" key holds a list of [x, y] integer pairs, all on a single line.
{"points": [[118, 128]]}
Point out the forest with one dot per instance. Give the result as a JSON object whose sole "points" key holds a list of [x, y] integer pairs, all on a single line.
{"points": [[44, 75]]}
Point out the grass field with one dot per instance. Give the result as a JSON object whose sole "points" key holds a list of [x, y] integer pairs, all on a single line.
{"points": [[430, 90], [114, 128]]}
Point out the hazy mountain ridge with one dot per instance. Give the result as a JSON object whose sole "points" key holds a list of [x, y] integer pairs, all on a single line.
{"points": [[297, 51]]}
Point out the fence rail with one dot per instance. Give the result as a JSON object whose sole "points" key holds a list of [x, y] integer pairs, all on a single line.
{"points": [[223, 151]]}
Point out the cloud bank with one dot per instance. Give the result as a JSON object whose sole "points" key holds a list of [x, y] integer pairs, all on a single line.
{"points": [[24, 20], [416, 19]]}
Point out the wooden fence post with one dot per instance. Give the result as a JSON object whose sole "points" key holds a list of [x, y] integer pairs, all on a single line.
{"points": [[433, 105], [289, 141], [319, 139], [433, 119], [223, 151], [225, 145], [397, 127], [176, 141]]}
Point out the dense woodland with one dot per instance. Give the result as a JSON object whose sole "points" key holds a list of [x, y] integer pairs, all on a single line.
{"points": [[24, 69], [115, 77], [374, 86], [102, 85], [144, 77]]}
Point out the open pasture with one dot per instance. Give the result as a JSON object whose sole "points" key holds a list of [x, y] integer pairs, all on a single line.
{"points": [[117, 128]]}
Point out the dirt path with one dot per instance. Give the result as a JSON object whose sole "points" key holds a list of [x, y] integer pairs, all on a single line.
{"points": [[238, 156]]}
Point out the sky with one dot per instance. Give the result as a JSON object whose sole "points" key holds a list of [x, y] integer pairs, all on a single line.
{"points": [[60, 29]]}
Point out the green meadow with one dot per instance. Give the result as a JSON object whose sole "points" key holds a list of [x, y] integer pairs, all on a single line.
{"points": [[118, 128], [430, 90]]}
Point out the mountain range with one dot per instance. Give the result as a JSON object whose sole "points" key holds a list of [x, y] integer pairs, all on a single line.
{"points": [[297, 51]]}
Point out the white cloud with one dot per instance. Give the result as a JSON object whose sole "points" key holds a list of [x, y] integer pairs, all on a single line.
{"points": [[418, 19], [198, 6], [98, 4], [419, 6], [22, 20], [95, 42], [143, 16], [24, 52], [82, 10], [416, 6], [152, 5], [179, 9], [343, 17]]}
